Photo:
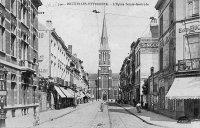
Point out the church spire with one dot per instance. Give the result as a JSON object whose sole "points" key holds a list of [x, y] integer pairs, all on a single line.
{"points": [[104, 38]]}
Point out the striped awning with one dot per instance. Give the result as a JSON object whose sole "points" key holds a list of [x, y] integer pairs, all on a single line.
{"points": [[62, 95], [185, 88], [67, 93]]}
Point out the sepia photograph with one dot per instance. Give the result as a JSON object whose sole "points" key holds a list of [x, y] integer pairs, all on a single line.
{"points": [[99, 63]]}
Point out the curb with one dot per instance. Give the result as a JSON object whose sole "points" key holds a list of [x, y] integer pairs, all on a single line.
{"points": [[141, 118]]}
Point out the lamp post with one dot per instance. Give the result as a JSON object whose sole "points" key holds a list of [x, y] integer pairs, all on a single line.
{"points": [[98, 84], [152, 74], [3, 94], [108, 87], [96, 88]]}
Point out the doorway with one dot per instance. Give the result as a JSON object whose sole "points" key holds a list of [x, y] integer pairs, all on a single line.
{"points": [[104, 97]]}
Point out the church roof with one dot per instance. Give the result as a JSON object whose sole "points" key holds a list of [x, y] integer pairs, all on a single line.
{"points": [[115, 76], [104, 37], [92, 76]]}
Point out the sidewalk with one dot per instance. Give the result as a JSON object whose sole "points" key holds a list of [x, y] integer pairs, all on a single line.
{"points": [[27, 121], [160, 120]]}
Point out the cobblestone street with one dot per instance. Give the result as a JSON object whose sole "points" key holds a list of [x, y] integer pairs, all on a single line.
{"points": [[90, 116]]}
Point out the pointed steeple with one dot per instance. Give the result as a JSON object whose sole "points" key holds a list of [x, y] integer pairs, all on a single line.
{"points": [[104, 38]]}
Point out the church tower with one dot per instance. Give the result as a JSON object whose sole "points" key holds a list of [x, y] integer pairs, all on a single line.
{"points": [[104, 70]]}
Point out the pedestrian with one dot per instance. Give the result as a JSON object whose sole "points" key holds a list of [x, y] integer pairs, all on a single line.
{"points": [[146, 106], [101, 107], [138, 107]]}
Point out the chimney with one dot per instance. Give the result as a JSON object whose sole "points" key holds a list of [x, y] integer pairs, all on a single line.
{"points": [[154, 28], [75, 55], [49, 24], [152, 70], [70, 49]]}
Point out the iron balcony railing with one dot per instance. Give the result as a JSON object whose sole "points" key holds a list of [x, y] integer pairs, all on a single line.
{"points": [[189, 64]]}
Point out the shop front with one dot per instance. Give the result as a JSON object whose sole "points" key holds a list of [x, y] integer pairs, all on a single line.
{"points": [[185, 92]]}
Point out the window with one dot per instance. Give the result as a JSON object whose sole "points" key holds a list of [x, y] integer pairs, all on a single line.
{"points": [[115, 92], [2, 35], [13, 45], [192, 46], [138, 58], [24, 51], [13, 7], [24, 13], [171, 53], [12, 93], [161, 58], [161, 25], [192, 8], [2, 2], [171, 13], [34, 41]]}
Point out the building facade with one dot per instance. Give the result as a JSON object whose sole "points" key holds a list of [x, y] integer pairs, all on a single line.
{"points": [[179, 47], [19, 54], [54, 67], [146, 56], [63, 71]]}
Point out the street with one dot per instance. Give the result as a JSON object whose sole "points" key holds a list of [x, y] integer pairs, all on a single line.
{"points": [[90, 116]]}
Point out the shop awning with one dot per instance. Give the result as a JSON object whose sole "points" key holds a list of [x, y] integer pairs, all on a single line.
{"points": [[71, 92], [185, 88], [59, 92], [80, 95], [88, 95], [66, 92]]}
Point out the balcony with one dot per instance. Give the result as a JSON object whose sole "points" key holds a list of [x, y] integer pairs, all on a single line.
{"points": [[27, 65], [58, 81], [189, 65]]}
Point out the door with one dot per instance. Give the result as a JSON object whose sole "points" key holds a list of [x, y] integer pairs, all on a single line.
{"points": [[104, 97]]}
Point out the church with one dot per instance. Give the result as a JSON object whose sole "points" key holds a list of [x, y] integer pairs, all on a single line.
{"points": [[104, 84]]}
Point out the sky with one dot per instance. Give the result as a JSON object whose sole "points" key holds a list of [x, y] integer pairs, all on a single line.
{"points": [[78, 26]]}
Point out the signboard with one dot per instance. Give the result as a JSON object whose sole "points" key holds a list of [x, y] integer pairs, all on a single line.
{"points": [[190, 28], [3, 92]]}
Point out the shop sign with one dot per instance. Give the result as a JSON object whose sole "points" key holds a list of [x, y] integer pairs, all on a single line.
{"points": [[190, 29], [3, 92], [149, 45]]}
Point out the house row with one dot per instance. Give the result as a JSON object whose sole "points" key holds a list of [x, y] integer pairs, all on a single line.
{"points": [[170, 84]]}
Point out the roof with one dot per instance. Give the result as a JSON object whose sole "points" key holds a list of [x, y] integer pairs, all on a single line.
{"points": [[158, 4], [115, 76], [104, 38], [92, 76], [185, 88]]}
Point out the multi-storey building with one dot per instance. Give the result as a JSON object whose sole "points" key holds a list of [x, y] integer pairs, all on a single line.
{"points": [[64, 73], [54, 65], [104, 86], [146, 56], [19, 54], [125, 81], [177, 92], [80, 81]]}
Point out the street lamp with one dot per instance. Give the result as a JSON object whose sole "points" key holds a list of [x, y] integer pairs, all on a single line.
{"points": [[108, 87], [98, 83], [3, 94]]}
